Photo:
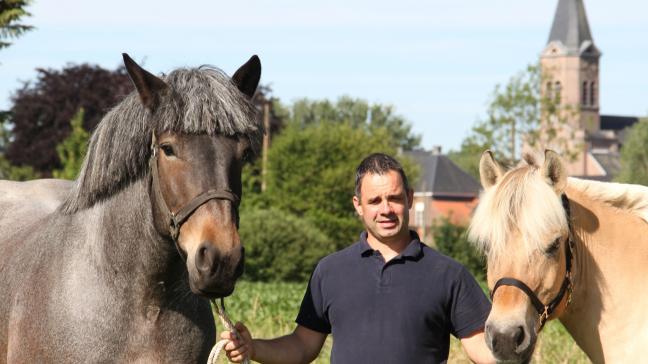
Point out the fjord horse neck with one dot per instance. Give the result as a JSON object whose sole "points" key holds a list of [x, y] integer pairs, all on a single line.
{"points": [[608, 317]]}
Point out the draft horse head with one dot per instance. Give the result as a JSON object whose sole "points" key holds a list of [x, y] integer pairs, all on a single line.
{"points": [[195, 172]]}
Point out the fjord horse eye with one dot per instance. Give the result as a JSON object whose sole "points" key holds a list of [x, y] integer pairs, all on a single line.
{"points": [[553, 248]]}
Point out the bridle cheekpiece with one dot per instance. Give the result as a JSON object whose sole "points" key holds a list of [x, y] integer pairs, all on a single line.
{"points": [[177, 218]]}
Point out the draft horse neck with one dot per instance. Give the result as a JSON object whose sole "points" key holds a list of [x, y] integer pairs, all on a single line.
{"points": [[567, 287], [177, 218]]}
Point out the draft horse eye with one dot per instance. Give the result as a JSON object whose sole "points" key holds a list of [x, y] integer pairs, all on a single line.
{"points": [[168, 150]]}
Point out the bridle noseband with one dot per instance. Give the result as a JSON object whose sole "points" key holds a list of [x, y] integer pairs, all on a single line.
{"points": [[545, 311], [176, 219]]}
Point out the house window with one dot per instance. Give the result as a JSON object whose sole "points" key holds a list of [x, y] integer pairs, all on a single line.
{"points": [[593, 93], [419, 214], [584, 94]]}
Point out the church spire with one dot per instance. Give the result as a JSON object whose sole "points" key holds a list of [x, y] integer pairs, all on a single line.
{"points": [[571, 29]]}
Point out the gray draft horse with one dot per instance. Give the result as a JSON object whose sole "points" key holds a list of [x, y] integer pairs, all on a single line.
{"points": [[118, 265]]}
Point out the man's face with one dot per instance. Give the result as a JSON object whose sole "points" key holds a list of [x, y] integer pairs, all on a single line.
{"points": [[383, 206]]}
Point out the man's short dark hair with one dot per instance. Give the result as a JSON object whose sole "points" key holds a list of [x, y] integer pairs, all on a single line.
{"points": [[378, 163]]}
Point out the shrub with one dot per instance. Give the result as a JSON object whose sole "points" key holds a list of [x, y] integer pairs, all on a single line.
{"points": [[280, 246], [451, 240]]}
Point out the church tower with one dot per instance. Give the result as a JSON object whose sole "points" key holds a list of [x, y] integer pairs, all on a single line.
{"points": [[570, 70]]}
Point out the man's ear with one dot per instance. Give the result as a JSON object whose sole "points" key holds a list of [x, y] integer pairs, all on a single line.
{"points": [[356, 204], [410, 198]]}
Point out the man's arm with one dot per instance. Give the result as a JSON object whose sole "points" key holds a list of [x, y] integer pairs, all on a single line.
{"points": [[475, 347], [301, 346]]}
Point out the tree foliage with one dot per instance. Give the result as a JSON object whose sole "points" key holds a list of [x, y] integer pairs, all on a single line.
{"points": [[359, 114], [312, 162], [11, 12], [518, 113], [634, 155], [451, 240], [73, 149], [280, 246], [7, 170], [41, 111]]}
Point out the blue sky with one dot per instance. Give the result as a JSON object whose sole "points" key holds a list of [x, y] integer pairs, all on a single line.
{"points": [[436, 62]]}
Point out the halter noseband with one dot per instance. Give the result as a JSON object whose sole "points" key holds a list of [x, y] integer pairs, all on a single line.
{"points": [[176, 219], [545, 311]]}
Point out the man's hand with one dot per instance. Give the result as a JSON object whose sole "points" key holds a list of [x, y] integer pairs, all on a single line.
{"points": [[300, 346], [239, 347]]}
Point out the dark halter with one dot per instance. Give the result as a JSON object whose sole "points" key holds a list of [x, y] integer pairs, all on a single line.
{"points": [[545, 311], [176, 219]]}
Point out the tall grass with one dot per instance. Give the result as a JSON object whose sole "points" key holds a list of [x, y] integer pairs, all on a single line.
{"points": [[269, 310]]}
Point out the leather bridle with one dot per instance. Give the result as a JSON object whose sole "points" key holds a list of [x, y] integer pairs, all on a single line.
{"points": [[177, 218], [567, 287]]}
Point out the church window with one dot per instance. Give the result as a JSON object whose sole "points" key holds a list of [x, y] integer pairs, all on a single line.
{"points": [[592, 93], [558, 90], [584, 93], [549, 93]]}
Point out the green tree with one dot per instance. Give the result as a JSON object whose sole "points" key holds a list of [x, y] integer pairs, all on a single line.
{"points": [[467, 157], [311, 173], [451, 240], [359, 114], [280, 246], [518, 112], [73, 149], [634, 155], [11, 12], [7, 170]]}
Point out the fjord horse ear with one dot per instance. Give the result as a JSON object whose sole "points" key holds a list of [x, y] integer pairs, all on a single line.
{"points": [[148, 85], [489, 170], [554, 171], [247, 77]]}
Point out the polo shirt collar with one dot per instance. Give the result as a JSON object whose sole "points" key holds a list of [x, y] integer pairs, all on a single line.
{"points": [[412, 250]]}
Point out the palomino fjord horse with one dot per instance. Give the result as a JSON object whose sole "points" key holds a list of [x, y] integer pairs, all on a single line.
{"points": [[563, 248], [118, 266]]}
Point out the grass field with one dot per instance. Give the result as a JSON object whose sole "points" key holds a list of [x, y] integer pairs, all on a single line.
{"points": [[269, 310]]}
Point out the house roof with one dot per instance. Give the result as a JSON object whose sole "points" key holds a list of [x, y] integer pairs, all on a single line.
{"points": [[570, 27], [442, 177], [610, 161]]}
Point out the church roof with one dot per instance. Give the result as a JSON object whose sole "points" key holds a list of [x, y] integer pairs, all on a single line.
{"points": [[441, 177], [616, 122], [570, 28]]}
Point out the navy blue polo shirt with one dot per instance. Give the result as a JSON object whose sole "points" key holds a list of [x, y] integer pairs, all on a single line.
{"points": [[402, 311]]}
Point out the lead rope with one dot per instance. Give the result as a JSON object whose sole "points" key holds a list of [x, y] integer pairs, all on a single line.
{"points": [[218, 347]]}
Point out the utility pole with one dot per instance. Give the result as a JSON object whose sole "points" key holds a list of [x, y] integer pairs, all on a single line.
{"points": [[266, 143]]}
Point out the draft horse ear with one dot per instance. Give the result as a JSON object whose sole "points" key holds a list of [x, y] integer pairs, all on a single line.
{"points": [[247, 77], [490, 170], [148, 85], [554, 172]]}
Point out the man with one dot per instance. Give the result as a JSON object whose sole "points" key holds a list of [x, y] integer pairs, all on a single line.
{"points": [[387, 298]]}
